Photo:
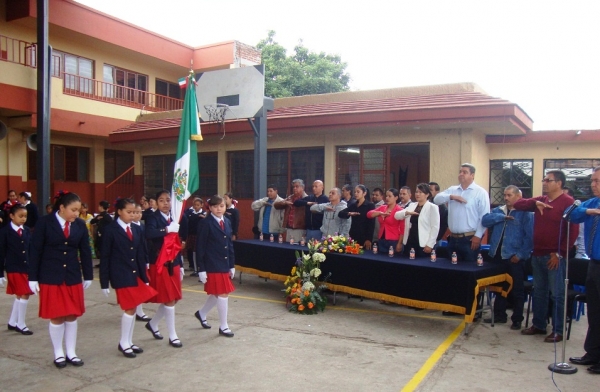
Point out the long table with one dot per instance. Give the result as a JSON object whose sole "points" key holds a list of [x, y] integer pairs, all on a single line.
{"points": [[419, 283]]}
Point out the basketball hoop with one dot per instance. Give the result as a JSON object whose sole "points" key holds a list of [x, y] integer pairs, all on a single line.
{"points": [[216, 113]]}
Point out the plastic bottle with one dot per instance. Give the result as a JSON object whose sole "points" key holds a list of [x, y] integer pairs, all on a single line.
{"points": [[292, 241], [454, 258], [391, 251], [412, 253], [271, 238], [479, 260], [280, 239], [260, 237], [433, 256], [302, 241], [375, 248]]}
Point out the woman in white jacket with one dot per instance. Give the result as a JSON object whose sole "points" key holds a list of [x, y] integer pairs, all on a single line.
{"points": [[422, 223]]}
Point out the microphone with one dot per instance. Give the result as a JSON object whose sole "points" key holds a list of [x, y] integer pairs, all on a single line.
{"points": [[570, 209]]}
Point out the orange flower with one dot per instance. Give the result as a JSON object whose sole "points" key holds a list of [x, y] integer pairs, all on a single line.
{"points": [[310, 305], [306, 293], [294, 291], [300, 308]]}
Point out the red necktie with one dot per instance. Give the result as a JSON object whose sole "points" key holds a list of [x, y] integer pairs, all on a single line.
{"points": [[20, 231], [169, 221], [129, 234], [222, 225], [66, 230]]}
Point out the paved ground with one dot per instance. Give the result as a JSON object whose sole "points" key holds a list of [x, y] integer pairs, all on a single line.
{"points": [[353, 346]]}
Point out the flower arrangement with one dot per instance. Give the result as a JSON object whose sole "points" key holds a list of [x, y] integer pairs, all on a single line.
{"points": [[339, 244], [303, 286]]}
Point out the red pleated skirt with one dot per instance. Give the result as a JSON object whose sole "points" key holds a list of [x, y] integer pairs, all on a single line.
{"points": [[18, 284], [61, 300], [168, 287], [218, 283], [130, 297]]}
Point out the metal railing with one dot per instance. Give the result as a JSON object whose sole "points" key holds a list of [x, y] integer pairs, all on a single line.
{"points": [[21, 52], [122, 186], [118, 95]]}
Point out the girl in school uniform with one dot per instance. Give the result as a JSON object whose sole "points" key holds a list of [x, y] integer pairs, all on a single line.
{"points": [[216, 263], [14, 251], [32, 210], [165, 279], [55, 273], [232, 213], [123, 264], [137, 220]]}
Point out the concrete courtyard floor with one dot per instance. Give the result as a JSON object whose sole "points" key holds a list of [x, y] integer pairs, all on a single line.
{"points": [[352, 346]]}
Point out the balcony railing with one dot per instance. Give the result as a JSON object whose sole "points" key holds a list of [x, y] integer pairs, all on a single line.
{"points": [[21, 52], [118, 95]]}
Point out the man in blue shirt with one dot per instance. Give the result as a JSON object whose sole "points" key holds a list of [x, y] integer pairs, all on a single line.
{"points": [[589, 213], [270, 220], [511, 242]]}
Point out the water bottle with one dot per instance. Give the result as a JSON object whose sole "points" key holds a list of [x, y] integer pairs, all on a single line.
{"points": [[412, 253], [271, 238], [454, 258], [280, 239], [479, 260], [292, 241], [433, 256], [302, 241], [391, 251], [260, 237], [375, 248]]}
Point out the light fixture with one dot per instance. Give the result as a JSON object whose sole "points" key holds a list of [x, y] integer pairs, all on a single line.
{"points": [[578, 132]]}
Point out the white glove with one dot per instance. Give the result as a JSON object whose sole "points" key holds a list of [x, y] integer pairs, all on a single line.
{"points": [[173, 228], [2, 281], [34, 287], [105, 292], [147, 266], [87, 284], [232, 273], [181, 272], [202, 277]]}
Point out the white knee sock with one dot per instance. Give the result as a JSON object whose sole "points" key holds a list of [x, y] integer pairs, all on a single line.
{"points": [[139, 310], [71, 338], [160, 313], [126, 322], [14, 315], [57, 331], [131, 327], [222, 305], [22, 313], [170, 319], [210, 303]]}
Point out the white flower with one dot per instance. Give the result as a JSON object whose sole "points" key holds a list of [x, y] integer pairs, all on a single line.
{"points": [[315, 272], [318, 257], [305, 257], [308, 286], [305, 275]]}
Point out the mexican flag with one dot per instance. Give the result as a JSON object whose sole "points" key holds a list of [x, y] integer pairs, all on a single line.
{"points": [[186, 176]]}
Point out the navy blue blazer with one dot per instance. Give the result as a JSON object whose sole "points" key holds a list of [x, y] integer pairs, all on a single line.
{"points": [[156, 230], [14, 250], [214, 247], [122, 260], [55, 259]]}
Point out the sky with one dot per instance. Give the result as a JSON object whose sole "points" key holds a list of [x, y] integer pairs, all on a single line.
{"points": [[542, 55]]}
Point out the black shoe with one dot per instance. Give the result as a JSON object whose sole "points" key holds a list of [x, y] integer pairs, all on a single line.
{"points": [[585, 360], [97, 266], [136, 349], [24, 331], [11, 327], [194, 274], [227, 332], [127, 352], [594, 369], [496, 321], [203, 322], [516, 325], [142, 318], [156, 334], [75, 361], [175, 343], [60, 364]]}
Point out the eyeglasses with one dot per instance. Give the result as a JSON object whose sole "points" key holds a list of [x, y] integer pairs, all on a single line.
{"points": [[547, 180]]}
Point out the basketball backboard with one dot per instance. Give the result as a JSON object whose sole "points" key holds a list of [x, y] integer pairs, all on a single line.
{"points": [[242, 89]]}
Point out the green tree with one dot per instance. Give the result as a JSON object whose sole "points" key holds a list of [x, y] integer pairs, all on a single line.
{"points": [[303, 73]]}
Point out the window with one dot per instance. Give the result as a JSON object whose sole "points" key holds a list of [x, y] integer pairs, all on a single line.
{"points": [[209, 170], [578, 173], [128, 85], [283, 166], [168, 89], [116, 163], [505, 172], [70, 67], [69, 164]]}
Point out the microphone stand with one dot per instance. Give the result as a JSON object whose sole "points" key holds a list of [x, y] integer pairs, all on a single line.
{"points": [[564, 367]]}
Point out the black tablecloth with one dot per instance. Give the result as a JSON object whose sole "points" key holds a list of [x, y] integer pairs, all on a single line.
{"points": [[440, 285]]}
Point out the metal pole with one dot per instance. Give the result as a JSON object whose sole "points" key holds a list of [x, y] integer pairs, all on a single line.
{"points": [[259, 126], [43, 107], [563, 367]]}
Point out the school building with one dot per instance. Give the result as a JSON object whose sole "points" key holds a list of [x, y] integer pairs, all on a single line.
{"points": [[115, 116]]}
